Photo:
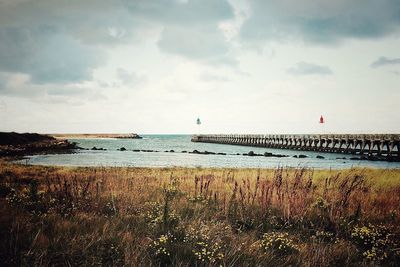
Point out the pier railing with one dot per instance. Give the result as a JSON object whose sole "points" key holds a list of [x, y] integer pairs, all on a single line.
{"points": [[363, 144]]}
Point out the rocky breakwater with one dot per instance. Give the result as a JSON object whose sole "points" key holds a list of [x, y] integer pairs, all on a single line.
{"points": [[21, 144]]}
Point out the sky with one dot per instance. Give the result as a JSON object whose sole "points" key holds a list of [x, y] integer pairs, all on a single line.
{"points": [[260, 66]]}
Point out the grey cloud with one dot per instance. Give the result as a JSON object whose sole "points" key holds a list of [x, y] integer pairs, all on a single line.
{"points": [[130, 78], [383, 61], [64, 41], [322, 22], [304, 68], [2, 82], [181, 12], [90, 21], [18, 85], [48, 58], [190, 27], [59, 41], [203, 43]]}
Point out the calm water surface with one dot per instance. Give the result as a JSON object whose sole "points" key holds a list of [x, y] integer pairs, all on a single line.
{"points": [[113, 157]]}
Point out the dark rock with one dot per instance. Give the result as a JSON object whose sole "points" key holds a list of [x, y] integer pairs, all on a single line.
{"points": [[302, 156], [221, 153], [295, 156], [122, 149], [237, 154], [268, 154], [136, 150], [320, 157], [251, 153], [184, 151], [195, 152], [172, 151]]}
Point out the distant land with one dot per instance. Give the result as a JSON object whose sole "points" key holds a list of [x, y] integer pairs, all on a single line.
{"points": [[14, 144], [96, 135]]}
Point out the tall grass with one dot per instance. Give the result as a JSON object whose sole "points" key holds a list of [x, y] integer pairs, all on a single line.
{"points": [[198, 217]]}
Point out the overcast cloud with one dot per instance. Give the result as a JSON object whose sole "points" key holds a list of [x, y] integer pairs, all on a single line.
{"points": [[155, 66]]}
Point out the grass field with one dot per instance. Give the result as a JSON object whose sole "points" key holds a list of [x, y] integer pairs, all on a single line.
{"points": [[198, 217]]}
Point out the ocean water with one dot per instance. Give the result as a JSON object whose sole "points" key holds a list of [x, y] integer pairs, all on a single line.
{"points": [[161, 143]]}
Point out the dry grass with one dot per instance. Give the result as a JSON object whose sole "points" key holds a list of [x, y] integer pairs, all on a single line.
{"points": [[203, 217]]}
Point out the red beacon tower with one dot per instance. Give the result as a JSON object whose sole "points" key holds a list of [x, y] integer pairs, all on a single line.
{"points": [[321, 120]]}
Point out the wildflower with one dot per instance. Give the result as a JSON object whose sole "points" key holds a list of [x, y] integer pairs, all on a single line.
{"points": [[374, 241], [161, 247], [280, 243], [204, 246]]}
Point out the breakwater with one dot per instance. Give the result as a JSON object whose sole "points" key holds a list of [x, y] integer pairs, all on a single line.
{"points": [[378, 145]]}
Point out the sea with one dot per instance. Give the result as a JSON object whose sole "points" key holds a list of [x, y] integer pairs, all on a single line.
{"points": [[173, 151]]}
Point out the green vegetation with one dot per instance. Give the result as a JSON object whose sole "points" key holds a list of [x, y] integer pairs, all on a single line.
{"points": [[198, 217]]}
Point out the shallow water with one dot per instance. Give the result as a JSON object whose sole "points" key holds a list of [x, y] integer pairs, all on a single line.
{"points": [[113, 157]]}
